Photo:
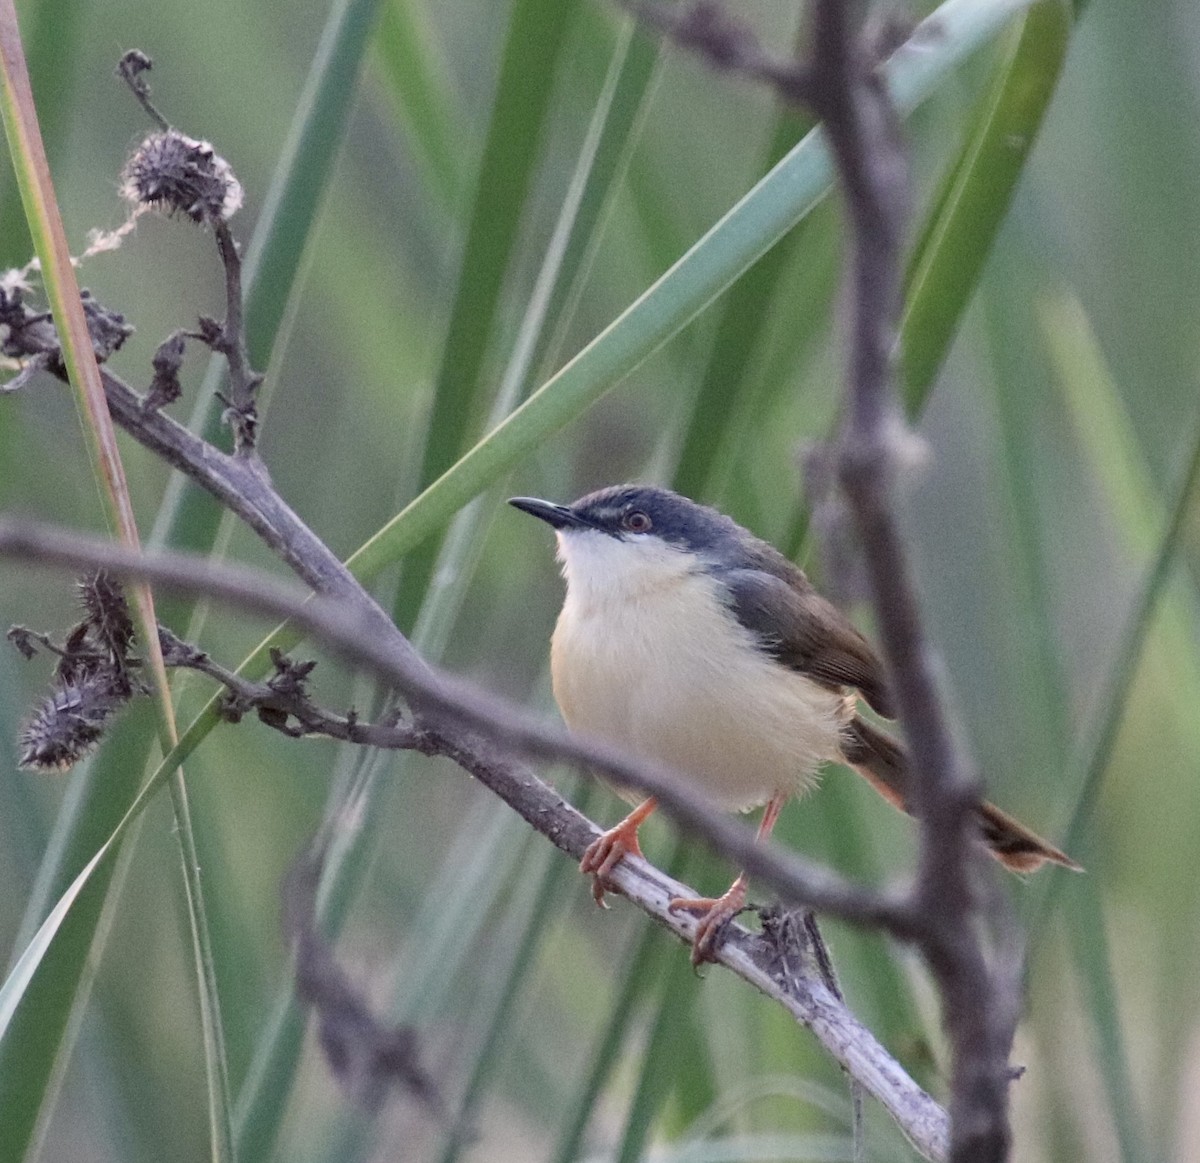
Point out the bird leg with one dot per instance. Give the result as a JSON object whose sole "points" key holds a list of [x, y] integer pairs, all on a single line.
{"points": [[604, 853], [715, 913]]}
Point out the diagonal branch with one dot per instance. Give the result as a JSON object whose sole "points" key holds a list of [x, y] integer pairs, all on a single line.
{"points": [[241, 484], [447, 705]]}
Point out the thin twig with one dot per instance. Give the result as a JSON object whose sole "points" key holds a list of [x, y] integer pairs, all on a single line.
{"points": [[243, 381], [369, 1057], [446, 704], [727, 44], [241, 484], [132, 68]]}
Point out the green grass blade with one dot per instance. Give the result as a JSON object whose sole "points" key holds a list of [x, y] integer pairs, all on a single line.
{"points": [[1096, 742], [745, 314], [739, 334], [1160, 631], [677, 994], [19, 979], [285, 223], [1013, 314], [1019, 387], [542, 876], [536, 34], [1093, 958], [603, 163], [600, 160], [275, 257], [751, 228], [410, 60], [53, 35], [643, 966], [976, 194], [58, 275]]}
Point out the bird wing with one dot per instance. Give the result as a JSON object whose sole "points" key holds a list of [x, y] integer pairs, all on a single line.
{"points": [[806, 633]]}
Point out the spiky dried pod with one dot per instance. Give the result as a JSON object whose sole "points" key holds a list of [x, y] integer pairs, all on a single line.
{"points": [[69, 722], [103, 600], [179, 174], [80, 656]]}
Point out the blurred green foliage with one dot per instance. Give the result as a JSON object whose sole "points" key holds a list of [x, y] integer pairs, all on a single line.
{"points": [[1057, 433]]}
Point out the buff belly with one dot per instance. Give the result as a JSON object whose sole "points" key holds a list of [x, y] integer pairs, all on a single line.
{"points": [[672, 675]]}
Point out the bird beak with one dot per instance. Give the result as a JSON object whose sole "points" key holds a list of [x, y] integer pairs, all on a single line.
{"points": [[556, 516]]}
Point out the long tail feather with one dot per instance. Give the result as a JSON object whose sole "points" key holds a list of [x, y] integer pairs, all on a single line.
{"points": [[883, 763]]}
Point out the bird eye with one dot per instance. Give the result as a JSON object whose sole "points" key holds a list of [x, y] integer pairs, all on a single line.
{"points": [[637, 521]]}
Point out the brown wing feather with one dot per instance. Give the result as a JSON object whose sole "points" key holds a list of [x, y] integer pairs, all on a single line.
{"points": [[807, 633]]}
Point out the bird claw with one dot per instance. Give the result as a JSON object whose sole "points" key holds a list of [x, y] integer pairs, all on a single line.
{"points": [[604, 853], [713, 915]]}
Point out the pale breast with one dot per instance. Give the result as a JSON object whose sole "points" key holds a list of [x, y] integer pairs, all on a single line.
{"points": [[673, 676]]}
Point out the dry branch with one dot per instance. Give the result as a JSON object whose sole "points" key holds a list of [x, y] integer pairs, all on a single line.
{"points": [[978, 979]]}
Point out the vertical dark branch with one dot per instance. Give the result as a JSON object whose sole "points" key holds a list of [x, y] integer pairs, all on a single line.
{"points": [[978, 998], [976, 973]]}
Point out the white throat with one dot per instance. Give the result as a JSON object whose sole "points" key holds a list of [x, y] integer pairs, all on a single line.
{"points": [[601, 569]]}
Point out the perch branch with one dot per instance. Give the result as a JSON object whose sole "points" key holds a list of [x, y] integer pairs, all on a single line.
{"points": [[446, 705]]}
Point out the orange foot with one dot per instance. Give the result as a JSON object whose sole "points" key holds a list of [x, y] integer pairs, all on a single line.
{"points": [[604, 853], [713, 915]]}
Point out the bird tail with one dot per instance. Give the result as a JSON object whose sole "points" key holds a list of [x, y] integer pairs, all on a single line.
{"points": [[883, 763]]}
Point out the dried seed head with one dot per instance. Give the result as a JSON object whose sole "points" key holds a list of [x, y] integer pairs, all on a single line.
{"points": [[103, 600], [177, 173], [69, 723]]}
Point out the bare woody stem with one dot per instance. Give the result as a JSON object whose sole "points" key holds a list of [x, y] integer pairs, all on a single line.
{"points": [[243, 381], [979, 999], [978, 986]]}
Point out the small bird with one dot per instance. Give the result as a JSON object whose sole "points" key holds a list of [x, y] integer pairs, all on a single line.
{"points": [[687, 640]]}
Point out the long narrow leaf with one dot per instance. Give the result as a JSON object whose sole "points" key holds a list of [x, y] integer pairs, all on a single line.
{"points": [[536, 34], [1095, 746], [977, 193], [58, 273], [642, 968], [414, 75], [751, 228]]}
